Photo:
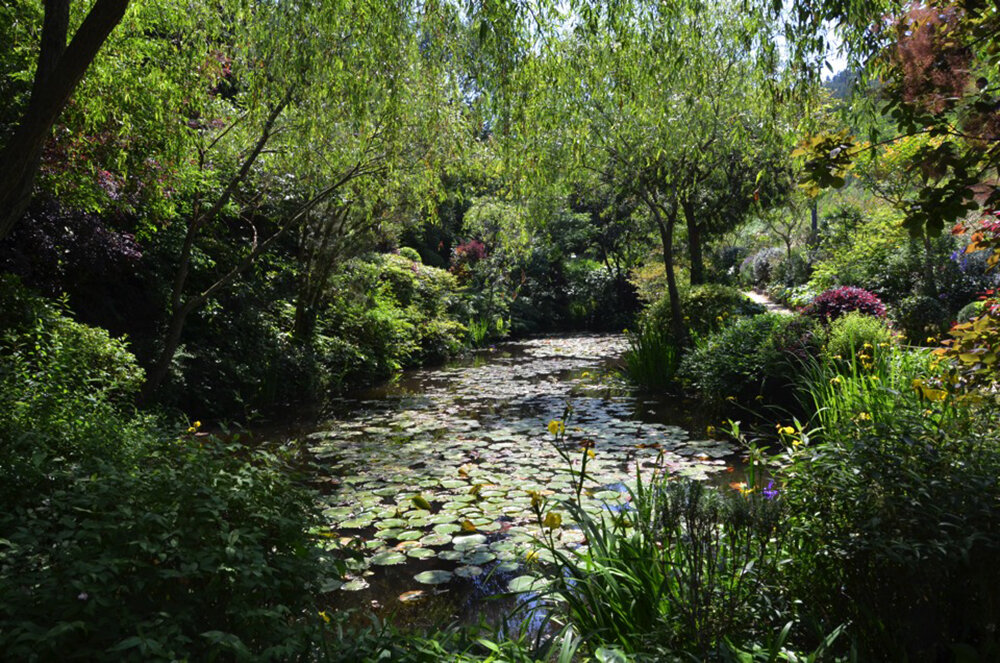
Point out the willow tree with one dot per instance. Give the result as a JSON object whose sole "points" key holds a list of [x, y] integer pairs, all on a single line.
{"points": [[309, 107], [656, 98]]}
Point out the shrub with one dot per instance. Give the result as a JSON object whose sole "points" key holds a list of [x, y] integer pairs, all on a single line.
{"points": [[851, 333], [65, 389], [969, 312], [756, 269], [920, 316], [200, 551], [410, 254], [835, 302], [750, 358], [790, 271], [710, 306], [899, 532]]}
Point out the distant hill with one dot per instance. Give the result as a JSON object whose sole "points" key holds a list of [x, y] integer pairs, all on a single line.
{"points": [[842, 84]]}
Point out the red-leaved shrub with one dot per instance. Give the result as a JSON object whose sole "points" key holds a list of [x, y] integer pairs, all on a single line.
{"points": [[835, 302]]}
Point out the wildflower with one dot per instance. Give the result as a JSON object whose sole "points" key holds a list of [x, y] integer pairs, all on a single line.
{"points": [[785, 430], [770, 492], [531, 556], [731, 398], [536, 499], [557, 427], [552, 520], [864, 416], [931, 340], [326, 617], [710, 430], [835, 379]]}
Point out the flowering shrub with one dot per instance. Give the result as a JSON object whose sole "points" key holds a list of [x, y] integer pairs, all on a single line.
{"points": [[837, 301]]}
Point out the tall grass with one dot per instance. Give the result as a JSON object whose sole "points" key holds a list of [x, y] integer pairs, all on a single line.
{"points": [[653, 357], [679, 571], [874, 387]]}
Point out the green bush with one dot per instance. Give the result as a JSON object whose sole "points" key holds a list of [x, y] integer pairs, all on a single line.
{"points": [[410, 254], [854, 332], [753, 357], [920, 317], [969, 312], [386, 313], [65, 389], [711, 306], [198, 551], [898, 524]]}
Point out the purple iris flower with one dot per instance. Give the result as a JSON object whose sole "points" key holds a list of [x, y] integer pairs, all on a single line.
{"points": [[770, 491]]}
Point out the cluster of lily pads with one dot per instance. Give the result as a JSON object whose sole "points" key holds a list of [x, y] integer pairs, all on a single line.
{"points": [[440, 476]]}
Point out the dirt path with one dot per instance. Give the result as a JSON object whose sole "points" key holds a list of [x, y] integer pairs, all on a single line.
{"points": [[764, 301]]}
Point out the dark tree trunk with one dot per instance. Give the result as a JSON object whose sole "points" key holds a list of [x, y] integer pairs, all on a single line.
{"points": [[60, 69], [930, 283], [814, 222], [665, 224], [694, 244]]}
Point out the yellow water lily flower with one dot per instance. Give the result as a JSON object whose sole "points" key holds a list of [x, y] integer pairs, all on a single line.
{"points": [[552, 520]]}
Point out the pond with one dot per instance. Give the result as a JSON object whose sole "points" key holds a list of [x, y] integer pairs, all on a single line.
{"points": [[429, 475]]}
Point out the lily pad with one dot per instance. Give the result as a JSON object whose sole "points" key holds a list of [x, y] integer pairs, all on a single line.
{"points": [[388, 558], [469, 571], [355, 585], [421, 553], [436, 577], [527, 584]]}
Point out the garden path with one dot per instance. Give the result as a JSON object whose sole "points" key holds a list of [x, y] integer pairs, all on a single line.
{"points": [[766, 302]]}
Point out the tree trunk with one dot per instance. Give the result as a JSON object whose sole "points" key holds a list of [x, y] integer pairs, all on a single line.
{"points": [[665, 224], [694, 244], [930, 283], [814, 223], [172, 339], [60, 69]]}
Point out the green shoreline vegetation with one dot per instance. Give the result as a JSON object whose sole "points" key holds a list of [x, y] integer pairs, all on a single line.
{"points": [[225, 216]]}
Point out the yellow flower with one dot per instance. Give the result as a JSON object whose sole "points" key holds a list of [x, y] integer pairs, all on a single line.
{"points": [[326, 617], [835, 379], [552, 520], [557, 427], [786, 430], [730, 398], [536, 499], [864, 416], [710, 430], [931, 339], [196, 424], [531, 556]]}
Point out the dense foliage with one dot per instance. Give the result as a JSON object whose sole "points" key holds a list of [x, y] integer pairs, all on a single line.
{"points": [[235, 210]]}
